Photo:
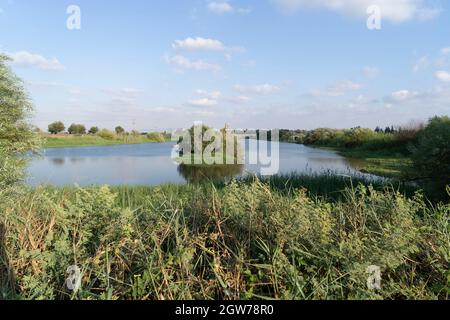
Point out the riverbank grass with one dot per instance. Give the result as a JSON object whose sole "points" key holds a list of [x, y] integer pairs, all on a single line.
{"points": [[389, 162], [66, 141]]}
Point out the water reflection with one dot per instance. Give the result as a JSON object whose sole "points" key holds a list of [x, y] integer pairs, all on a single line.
{"points": [[57, 161], [199, 173], [77, 160]]}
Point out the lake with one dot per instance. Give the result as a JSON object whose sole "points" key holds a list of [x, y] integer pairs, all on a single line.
{"points": [[151, 164]]}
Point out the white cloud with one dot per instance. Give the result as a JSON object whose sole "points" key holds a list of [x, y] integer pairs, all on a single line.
{"points": [[212, 98], [220, 7], [262, 89], [238, 99], [199, 43], [205, 44], [123, 97], [46, 85], [211, 95], [443, 76], [130, 91], [402, 95], [164, 110], [428, 13], [370, 72], [181, 62], [421, 64], [392, 10], [338, 89], [224, 7], [75, 91], [203, 102], [27, 59], [445, 51]]}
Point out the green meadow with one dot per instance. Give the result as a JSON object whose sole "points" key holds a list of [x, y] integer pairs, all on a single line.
{"points": [[65, 141]]}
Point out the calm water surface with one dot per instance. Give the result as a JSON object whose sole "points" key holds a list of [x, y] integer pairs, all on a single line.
{"points": [[151, 164]]}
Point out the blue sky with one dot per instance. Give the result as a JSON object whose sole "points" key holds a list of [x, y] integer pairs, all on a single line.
{"points": [[151, 65]]}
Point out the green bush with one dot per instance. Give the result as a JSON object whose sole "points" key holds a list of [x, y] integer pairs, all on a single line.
{"points": [[107, 134], [431, 155], [357, 137], [155, 137], [242, 241]]}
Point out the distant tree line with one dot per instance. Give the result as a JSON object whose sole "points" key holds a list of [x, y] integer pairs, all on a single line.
{"points": [[354, 137], [390, 130], [58, 127]]}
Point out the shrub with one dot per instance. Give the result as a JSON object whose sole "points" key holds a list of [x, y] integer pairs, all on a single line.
{"points": [[155, 137], [431, 155], [242, 241], [357, 137], [408, 134], [106, 134]]}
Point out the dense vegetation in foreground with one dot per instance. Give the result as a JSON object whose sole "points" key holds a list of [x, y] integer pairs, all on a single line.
{"points": [[286, 238], [241, 240]]}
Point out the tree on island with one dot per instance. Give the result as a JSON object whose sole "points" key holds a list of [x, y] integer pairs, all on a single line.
{"points": [[201, 140], [56, 127]]}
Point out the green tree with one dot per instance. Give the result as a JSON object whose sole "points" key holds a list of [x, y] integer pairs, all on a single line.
{"points": [[77, 129], [94, 130], [431, 155], [357, 137], [17, 136], [119, 130], [56, 127]]}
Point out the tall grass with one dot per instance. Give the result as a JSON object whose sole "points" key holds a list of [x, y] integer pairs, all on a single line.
{"points": [[240, 240]]}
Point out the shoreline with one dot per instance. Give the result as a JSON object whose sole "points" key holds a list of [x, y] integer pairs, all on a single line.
{"points": [[382, 163]]}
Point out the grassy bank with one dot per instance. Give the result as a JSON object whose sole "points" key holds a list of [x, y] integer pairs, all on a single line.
{"points": [[381, 153], [390, 163], [62, 141], [243, 240]]}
